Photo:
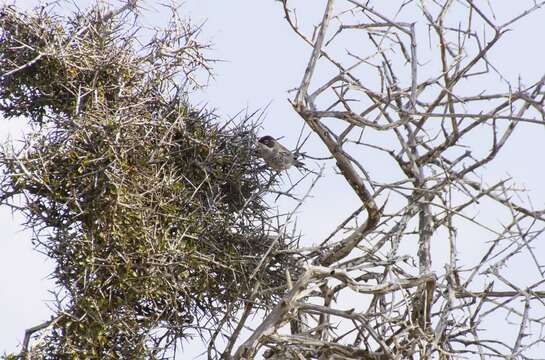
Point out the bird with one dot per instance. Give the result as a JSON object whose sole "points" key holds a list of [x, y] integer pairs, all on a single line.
{"points": [[276, 155]]}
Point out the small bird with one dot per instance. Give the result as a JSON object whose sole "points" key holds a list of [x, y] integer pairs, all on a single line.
{"points": [[276, 155]]}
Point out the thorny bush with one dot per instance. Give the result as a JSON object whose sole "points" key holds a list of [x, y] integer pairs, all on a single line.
{"points": [[152, 209]]}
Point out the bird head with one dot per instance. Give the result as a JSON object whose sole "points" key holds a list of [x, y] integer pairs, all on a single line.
{"points": [[267, 140]]}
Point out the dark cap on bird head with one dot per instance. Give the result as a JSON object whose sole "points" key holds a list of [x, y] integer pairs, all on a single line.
{"points": [[267, 140]]}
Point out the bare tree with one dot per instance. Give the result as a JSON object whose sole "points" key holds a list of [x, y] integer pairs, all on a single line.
{"points": [[421, 94]]}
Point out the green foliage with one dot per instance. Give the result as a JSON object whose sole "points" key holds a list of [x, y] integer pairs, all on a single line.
{"points": [[153, 211], [61, 67]]}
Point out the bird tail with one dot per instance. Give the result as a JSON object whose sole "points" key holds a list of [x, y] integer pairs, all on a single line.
{"points": [[298, 163]]}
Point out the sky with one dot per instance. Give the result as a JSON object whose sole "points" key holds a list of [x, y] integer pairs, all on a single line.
{"points": [[261, 60]]}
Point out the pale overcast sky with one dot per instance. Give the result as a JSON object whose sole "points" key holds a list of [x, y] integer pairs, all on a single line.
{"points": [[263, 60]]}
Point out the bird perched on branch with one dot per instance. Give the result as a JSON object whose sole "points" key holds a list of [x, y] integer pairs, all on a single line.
{"points": [[276, 155]]}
